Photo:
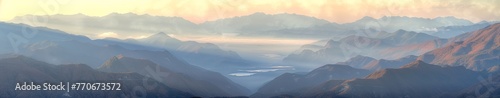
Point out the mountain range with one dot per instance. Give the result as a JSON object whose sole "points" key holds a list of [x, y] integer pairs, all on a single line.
{"points": [[205, 55], [293, 83], [57, 47], [394, 23], [409, 76], [416, 79], [379, 46], [253, 25], [391, 56], [452, 31]]}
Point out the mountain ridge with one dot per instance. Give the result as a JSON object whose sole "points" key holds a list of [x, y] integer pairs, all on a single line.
{"points": [[416, 79], [478, 51]]}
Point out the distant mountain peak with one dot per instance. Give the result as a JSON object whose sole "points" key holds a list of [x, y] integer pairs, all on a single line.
{"points": [[366, 19], [419, 64], [162, 38], [402, 31], [160, 35], [259, 13], [360, 57], [446, 17], [332, 67]]}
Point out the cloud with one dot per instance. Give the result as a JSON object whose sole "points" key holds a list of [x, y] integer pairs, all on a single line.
{"points": [[241, 74], [115, 35], [273, 56], [272, 69], [263, 70], [282, 67]]}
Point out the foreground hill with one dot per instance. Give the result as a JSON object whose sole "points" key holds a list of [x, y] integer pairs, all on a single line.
{"points": [[417, 79]]}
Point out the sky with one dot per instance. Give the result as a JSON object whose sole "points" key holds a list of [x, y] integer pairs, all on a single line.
{"points": [[198, 11]]}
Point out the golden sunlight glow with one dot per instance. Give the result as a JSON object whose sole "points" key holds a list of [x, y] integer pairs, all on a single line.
{"points": [[108, 34], [199, 11]]}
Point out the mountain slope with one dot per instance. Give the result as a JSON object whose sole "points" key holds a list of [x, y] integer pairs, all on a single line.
{"points": [[416, 79], [413, 49], [293, 84], [479, 51]]}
